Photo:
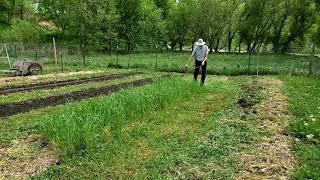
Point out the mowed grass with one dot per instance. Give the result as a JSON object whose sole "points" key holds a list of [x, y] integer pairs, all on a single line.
{"points": [[197, 134], [304, 99], [219, 64]]}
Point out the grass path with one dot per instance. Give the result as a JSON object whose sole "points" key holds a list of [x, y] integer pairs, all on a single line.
{"points": [[272, 158]]}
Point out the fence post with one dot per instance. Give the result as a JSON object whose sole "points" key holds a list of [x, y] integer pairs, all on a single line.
{"points": [[156, 57], [311, 64], [61, 59], [55, 51]]}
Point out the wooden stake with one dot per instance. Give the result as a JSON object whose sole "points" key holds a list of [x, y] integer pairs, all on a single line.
{"points": [[55, 51], [8, 57]]}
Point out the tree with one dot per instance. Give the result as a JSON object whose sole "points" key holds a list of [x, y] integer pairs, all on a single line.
{"points": [[279, 24], [4, 10], [257, 22], [180, 21], [152, 25], [233, 11], [129, 17], [81, 19], [302, 16]]}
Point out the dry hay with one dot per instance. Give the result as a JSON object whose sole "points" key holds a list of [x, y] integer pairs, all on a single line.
{"points": [[31, 79], [26, 157], [273, 157]]}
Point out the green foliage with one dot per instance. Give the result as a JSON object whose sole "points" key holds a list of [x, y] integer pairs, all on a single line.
{"points": [[304, 104], [23, 31], [171, 23]]}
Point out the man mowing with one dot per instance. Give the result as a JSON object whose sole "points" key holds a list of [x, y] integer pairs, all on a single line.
{"points": [[201, 55]]}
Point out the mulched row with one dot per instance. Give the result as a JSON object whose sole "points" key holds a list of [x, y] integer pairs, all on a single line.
{"points": [[55, 84]]}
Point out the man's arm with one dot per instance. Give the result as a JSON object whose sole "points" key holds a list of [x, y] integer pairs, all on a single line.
{"points": [[205, 58]]}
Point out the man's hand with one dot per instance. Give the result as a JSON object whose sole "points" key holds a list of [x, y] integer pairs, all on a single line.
{"points": [[203, 63]]}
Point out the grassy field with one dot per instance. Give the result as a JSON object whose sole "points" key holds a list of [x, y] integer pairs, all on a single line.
{"points": [[219, 64], [168, 129]]}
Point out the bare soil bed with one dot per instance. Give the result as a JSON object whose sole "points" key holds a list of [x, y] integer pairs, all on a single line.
{"points": [[27, 106]]}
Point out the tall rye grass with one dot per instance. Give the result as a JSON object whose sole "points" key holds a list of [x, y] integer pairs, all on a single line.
{"points": [[80, 127]]}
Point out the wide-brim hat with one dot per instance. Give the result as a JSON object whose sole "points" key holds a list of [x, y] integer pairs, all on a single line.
{"points": [[200, 42]]}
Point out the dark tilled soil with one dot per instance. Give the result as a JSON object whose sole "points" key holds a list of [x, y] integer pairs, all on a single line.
{"points": [[55, 84], [27, 106]]}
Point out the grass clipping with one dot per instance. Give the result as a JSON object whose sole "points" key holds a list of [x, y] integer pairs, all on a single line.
{"points": [[273, 157], [26, 157]]}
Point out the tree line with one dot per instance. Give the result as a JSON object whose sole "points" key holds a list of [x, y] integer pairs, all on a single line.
{"points": [[232, 25]]}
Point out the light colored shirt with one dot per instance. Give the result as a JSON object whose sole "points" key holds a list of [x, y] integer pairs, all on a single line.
{"points": [[200, 53]]}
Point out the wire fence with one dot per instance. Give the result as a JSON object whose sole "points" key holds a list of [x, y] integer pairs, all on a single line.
{"points": [[68, 57]]}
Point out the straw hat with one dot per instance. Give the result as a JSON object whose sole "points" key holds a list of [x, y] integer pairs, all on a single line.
{"points": [[200, 42]]}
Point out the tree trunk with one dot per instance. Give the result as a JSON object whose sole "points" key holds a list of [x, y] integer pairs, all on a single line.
{"points": [[110, 47], [181, 42], [83, 53], [216, 48], [173, 45], [21, 11], [248, 47], [211, 41], [230, 39], [180, 46]]}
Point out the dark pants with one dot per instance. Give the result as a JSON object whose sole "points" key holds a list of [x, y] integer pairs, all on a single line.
{"points": [[197, 70]]}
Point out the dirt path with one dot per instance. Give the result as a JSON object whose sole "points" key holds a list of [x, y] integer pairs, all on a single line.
{"points": [[55, 84], [27, 106], [273, 157]]}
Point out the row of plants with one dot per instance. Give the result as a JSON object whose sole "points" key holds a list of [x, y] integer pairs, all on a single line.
{"points": [[81, 127]]}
